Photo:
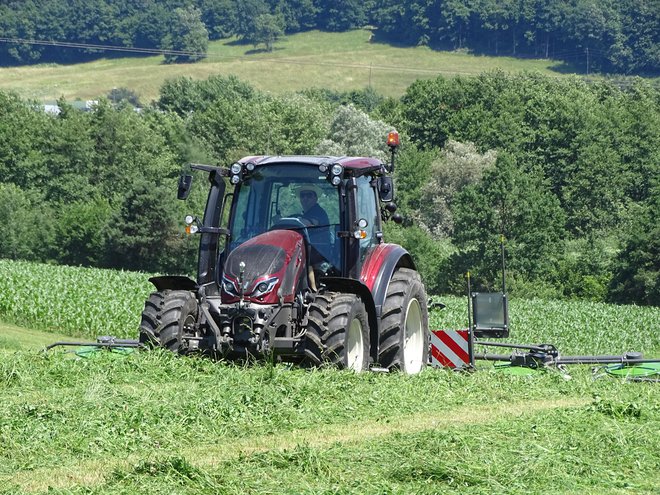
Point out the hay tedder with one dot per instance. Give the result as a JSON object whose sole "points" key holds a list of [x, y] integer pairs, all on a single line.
{"points": [[293, 266]]}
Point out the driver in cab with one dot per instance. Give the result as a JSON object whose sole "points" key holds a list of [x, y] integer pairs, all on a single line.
{"points": [[313, 215]]}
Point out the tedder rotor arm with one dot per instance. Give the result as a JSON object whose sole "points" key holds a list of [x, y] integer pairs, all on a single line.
{"points": [[547, 354], [104, 341]]}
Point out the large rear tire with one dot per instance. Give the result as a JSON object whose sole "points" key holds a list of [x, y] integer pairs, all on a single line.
{"points": [[404, 334], [338, 331], [169, 315]]}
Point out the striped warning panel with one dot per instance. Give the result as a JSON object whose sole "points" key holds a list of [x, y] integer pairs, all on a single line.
{"points": [[450, 348]]}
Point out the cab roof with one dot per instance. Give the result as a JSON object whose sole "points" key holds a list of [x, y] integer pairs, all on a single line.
{"points": [[360, 165]]}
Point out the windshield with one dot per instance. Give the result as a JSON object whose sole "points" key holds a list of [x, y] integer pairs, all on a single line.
{"points": [[290, 196]]}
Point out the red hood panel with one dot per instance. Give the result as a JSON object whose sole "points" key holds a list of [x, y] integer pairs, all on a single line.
{"points": [[275, 258]]}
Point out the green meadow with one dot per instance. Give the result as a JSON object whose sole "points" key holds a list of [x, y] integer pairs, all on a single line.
{"points": [[336, 61]]}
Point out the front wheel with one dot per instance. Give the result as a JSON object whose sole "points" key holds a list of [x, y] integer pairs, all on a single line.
{"points": [[169, 315], [338, 331], [404, 335]]}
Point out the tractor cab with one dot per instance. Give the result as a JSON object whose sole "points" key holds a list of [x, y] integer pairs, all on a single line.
{"points": [[290, 196], [332, 203]]}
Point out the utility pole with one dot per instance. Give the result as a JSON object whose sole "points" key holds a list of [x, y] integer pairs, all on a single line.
{"points": [[587, 60]]}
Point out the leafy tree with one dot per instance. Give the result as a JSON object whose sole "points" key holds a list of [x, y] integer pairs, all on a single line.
{"points": [[185, 95], [220, 17], [248, 11], [141, 235], [188, 38], [298, 15], [80, 232], [585, 269], [152, 24], [14, 24], [411, 173], [459, 165], [637, 49], [608, 36], [367, 99], [430, 255], [406, 22], [268, 29], [23, 131], [69, 157], [29, 227], [340, 15], [456, 21], [637, 267], [293, 124], [354, 133], [517, 205], [120, 95], [425, 113], [261, 125]]}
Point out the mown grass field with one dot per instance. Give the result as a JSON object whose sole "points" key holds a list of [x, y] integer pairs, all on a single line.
{"points": [[158, 424], [337, 61]]}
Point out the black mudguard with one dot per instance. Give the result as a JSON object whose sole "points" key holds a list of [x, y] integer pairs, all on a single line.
{"points": [[398, 258], [174, 282]]}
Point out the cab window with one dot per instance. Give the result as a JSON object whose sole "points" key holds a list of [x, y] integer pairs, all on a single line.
{"points": [[367, 209]]}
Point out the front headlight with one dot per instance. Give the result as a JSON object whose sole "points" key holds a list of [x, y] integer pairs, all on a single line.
{"points": [[264, 287], [229, 287]]}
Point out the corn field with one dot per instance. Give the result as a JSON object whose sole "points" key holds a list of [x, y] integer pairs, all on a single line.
{"points": [[88, 302], [83, 302]]}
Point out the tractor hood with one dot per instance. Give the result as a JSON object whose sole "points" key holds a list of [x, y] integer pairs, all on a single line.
{"points": [[271, 264]]}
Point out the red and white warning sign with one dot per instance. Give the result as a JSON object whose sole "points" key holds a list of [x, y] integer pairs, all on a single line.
{"points": [[450, 348]]}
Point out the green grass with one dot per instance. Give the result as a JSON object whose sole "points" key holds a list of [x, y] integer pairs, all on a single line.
{"points": [[14, 338], [155, 423], [338, 61]]}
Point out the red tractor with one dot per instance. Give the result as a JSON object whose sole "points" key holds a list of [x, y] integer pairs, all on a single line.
{"points": [[293, 265]]}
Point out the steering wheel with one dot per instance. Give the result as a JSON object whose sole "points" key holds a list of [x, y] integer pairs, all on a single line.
{"points": [[292, 223]]}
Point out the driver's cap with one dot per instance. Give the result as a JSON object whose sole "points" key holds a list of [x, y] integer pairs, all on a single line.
{"points": [[309, 187]]}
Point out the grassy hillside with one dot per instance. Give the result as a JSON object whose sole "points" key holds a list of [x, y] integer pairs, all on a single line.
{"points": [[338, 61]]}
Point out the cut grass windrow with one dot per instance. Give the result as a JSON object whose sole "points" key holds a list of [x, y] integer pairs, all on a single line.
{"points": [[222, 450], [152, 423]]}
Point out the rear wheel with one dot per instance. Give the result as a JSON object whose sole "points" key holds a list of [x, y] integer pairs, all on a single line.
{"points": [[169, 315], [404, 335], [338, 331]]}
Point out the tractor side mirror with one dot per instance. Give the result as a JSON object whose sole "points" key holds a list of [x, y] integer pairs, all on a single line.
{"points": [[386, 188], [185, 181]]}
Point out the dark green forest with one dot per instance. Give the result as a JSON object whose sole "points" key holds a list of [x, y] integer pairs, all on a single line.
{"points": [[568, 172], [612, 36]]}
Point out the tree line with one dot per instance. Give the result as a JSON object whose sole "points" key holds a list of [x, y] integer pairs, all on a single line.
{"points": [[606, 35], [568, 173]]}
